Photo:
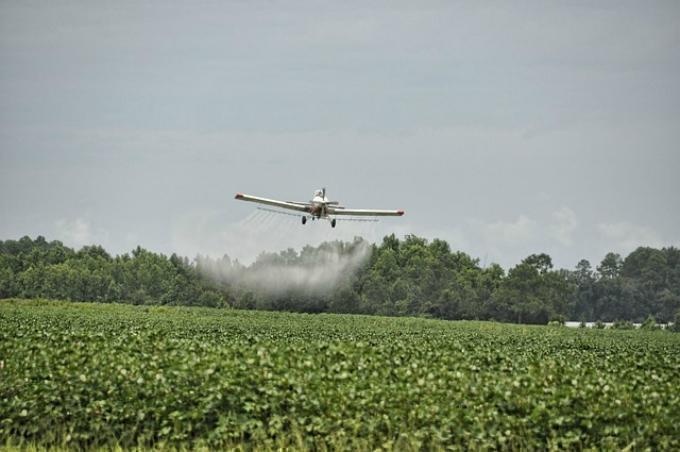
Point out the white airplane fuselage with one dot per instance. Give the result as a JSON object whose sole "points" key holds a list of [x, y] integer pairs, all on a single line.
{"points": [[318, 207]]}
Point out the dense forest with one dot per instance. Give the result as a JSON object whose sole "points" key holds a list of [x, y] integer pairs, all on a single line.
{"points": [[398, 277]]}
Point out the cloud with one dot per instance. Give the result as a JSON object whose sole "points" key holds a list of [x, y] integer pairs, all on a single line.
{"points": [[79, 232], [507, 242], [563, 226], [501, 241], [625, 236], [512, 233]]}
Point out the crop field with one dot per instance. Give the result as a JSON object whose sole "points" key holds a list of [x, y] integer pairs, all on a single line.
{"points": [[106, 375]]}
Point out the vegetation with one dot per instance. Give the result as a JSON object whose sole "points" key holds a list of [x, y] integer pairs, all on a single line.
{"points": [[409, 277], [623, 325], [83, 375]]}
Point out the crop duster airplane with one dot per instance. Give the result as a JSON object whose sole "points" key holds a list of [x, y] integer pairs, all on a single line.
{"points": [[320, 208]]}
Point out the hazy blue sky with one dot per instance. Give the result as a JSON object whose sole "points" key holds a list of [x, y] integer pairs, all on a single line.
{"points": [[506, 128]]}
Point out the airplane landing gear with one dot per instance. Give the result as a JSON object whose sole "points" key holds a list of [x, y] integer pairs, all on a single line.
{"points": [[304, 220], [333, 223]]}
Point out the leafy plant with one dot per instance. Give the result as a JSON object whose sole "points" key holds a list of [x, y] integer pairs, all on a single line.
{"points": [[623, 325], [649, 324], [81, 375]]}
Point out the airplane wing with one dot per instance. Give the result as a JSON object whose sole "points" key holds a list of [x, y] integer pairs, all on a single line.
{"points": [[299, 203], [300, 207], [364, 212]]}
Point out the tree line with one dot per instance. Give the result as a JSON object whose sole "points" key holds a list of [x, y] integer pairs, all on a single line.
{"points": [[398, 277]]}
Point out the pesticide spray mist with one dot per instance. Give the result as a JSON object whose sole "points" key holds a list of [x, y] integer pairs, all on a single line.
{"points": [[314, 270]]}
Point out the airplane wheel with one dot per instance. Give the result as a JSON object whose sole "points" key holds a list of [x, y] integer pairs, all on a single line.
{"points": [[333, 223], [304, 220]]}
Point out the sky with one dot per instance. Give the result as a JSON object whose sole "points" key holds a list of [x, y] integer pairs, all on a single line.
{"points": [[504, 128]]}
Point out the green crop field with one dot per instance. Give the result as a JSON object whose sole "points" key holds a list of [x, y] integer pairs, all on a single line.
{"points": [[104, 375]]}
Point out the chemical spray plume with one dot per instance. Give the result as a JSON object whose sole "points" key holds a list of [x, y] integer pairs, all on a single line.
{"points": [[312, 271]]}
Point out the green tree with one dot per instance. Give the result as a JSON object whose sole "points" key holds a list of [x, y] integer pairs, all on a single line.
{"points": [[532, 293], [610, 267], [584, 299]]}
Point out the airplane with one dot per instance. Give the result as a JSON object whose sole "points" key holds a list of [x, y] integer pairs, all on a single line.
{"points": [[319, 207]]}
